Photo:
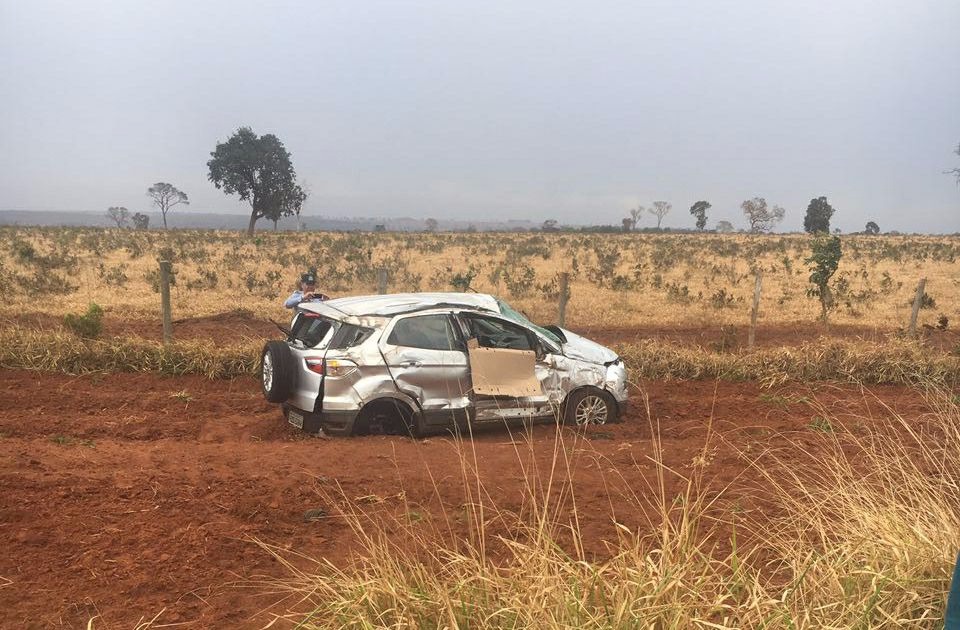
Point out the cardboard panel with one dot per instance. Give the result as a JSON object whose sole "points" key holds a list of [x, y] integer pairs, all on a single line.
{"points": [[502, 372]]}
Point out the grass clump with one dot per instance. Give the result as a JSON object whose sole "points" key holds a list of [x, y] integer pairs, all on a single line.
{"points": [[894, 362], [88, 325], [54, 351]]}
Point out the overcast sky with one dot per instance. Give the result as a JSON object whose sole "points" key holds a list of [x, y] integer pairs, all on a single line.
{"points": [[493, 110]]}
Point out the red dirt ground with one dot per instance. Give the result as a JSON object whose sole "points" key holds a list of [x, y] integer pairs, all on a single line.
{"points": [[123, 496]]}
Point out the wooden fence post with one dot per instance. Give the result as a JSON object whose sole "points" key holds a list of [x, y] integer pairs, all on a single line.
{"points": [[166, 270], [752, 335], [917, 303], [564, 296], [381, 281]]}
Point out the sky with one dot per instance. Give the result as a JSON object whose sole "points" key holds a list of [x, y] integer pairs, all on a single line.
{"points": [[536, 109]]}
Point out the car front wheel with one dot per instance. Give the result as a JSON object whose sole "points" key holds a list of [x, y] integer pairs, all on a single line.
{"points": [[590, 406]]}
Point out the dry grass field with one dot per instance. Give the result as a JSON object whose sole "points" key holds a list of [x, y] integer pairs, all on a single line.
{"points": [[617, 280], [811, 482]]}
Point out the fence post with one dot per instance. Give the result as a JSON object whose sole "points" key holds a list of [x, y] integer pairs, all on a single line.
{"points": [[381, 281], [917, 302], [752, 335], [165, 272], [564, 296]]}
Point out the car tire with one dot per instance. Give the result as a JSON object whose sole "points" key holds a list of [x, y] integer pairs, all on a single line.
{"points": [[276, 371], [590, 406]]}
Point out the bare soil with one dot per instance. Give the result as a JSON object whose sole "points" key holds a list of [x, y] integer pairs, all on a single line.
{"points": [[127, 495]]}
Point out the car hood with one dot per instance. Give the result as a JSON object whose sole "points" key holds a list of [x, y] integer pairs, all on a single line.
{"points": [[578, 347]]}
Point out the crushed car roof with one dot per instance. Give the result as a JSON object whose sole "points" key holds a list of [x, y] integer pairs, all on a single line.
{"points": [[396, 303]]}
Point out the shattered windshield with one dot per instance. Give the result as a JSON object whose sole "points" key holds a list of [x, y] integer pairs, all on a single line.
{"points": [[507, 311]]}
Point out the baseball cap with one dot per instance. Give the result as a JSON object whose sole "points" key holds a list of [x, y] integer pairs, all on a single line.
{"points": [[308, 278]]}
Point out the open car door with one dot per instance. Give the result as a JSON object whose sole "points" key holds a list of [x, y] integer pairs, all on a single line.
{"points": [[503, 359]]}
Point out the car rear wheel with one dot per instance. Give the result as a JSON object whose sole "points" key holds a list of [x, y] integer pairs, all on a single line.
{"points": [[276, 371], [387, 417], [590, 406]]}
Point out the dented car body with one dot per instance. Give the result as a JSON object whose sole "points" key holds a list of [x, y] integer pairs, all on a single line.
{"points": [[428, 362]]}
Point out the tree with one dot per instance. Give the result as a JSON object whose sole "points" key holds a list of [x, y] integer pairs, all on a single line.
{"points": [[627, 224], [165, 196], [818, 216], [761, 217], [699, 210], [636, 214], [550, 225], [119, 215], [825, 256], [724, 226], [141, 221], [259, 171], [660, 210], [872, 228], [431, 225], [955, 171]]}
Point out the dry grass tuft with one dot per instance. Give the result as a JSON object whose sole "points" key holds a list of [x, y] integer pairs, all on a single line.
{"points": [[863, 537], [896, 361], [62, 352]]}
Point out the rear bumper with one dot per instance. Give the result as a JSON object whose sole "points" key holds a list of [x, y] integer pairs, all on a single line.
{"points": [[328, 422]]}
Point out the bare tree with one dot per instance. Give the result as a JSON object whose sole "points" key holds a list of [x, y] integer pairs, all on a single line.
{"points": [[955, 171], [119, 215], [299, 207], [431, 225], [165, 196], [660, 209], [761, 217], [636, 214], [141, 221]]}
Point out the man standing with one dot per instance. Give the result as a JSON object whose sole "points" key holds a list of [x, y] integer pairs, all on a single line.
{"points": [[307, 292]]}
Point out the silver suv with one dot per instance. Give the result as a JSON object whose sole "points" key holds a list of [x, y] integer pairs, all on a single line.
{"points": [[419, 363]]}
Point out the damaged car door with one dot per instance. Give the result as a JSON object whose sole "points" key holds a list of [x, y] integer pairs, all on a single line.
{"points": [[509, 369], [427, 359]]}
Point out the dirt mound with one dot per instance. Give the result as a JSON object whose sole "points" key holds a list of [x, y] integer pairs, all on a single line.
{"points": [[127, 494]]}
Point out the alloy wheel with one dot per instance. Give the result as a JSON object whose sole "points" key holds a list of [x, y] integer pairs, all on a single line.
{"points": [[591, 409]]}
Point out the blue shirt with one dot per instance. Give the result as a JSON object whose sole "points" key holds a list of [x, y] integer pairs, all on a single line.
{"points": [[297, 296]]}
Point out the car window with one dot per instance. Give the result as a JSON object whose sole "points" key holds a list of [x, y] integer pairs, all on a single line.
{"points": [[496, 333], [431, 332], [310, 329], [511, 313], [349, 336]]}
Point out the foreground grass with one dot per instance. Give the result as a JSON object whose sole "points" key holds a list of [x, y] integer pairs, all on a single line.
{"points": [[861, 532], [896, 361]]}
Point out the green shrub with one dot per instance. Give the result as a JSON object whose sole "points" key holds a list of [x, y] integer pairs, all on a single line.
{"points": [[89, 325]]}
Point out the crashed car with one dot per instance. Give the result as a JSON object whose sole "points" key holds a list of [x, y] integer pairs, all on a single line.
{"points": [[420, 363]]}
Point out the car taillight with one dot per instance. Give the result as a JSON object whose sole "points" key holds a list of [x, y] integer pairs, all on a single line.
{"points": [[339, 367], [330, 367]]}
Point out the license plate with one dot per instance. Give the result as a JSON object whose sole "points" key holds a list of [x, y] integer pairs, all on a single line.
{"points": [[295, 418]]}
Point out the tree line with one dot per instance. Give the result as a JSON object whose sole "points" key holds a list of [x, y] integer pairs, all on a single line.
{"points": [[259, 171]]}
